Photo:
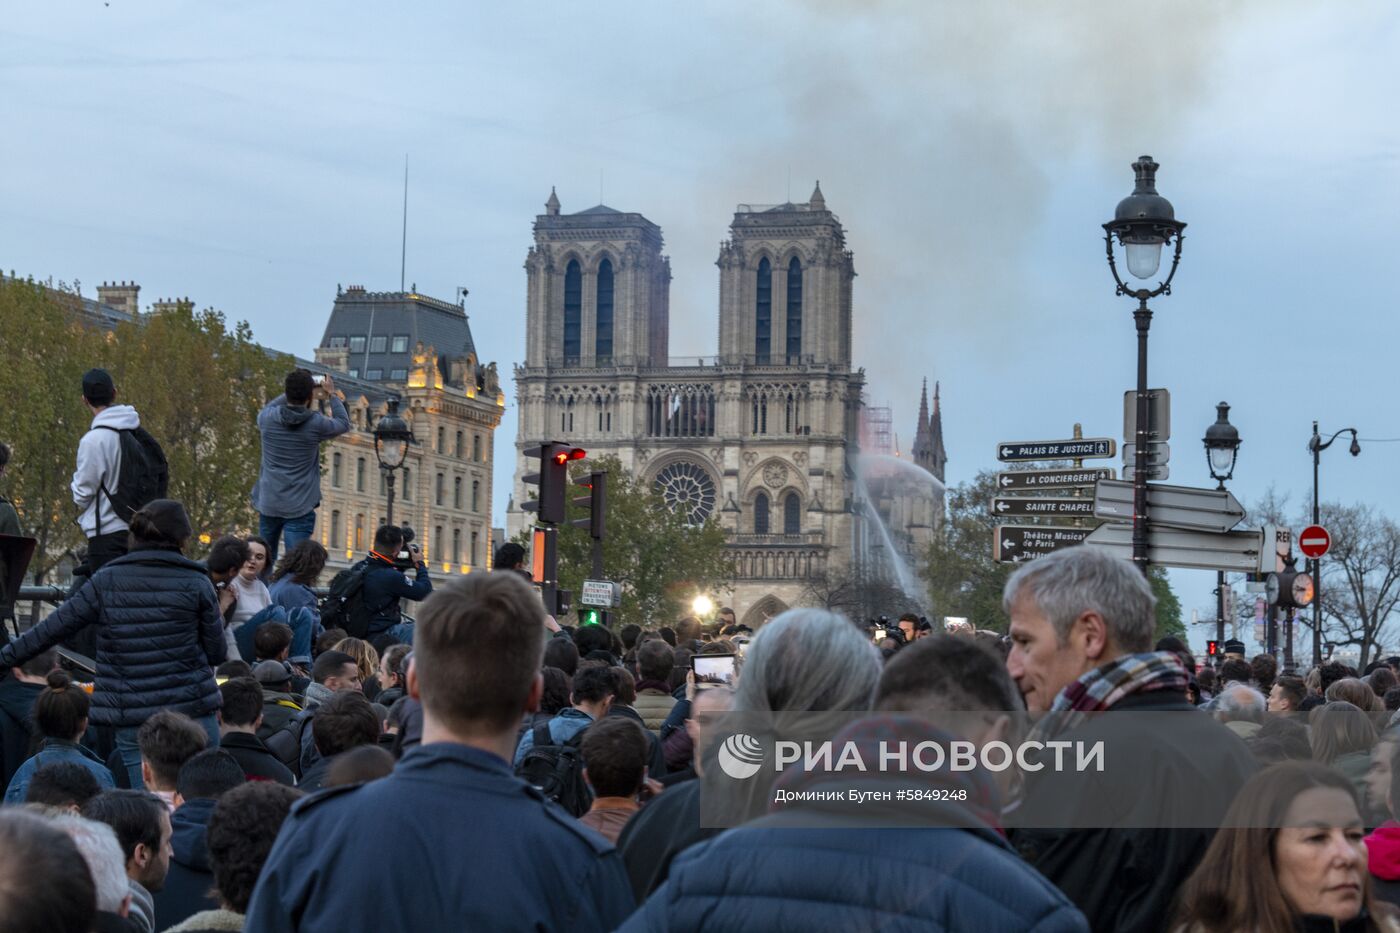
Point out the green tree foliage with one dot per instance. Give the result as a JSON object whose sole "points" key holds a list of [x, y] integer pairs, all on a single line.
{"points": [[962, 577], [47, 349], [199, 384], [662, 562], [965, 581], [1169, 621]]}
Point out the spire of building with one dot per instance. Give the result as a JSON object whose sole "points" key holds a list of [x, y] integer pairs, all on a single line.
{"points": [[922, 451], [935, 430], [817, 202], [551, 206]]}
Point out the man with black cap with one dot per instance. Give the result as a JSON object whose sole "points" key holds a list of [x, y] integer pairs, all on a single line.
{"points": [[99, 465]]}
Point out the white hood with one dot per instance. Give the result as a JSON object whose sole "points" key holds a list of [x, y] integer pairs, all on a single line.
{"points": [[99, 463], [121, 417]]}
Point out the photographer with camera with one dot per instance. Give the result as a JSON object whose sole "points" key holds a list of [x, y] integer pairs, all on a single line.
{"points": [[386, 582], [288, 489]]}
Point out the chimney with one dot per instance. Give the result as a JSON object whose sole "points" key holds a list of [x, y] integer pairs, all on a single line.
{"points": [[120, 295]]}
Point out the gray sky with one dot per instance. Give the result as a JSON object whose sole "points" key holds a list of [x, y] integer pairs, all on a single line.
{"points": [[250, 156]]}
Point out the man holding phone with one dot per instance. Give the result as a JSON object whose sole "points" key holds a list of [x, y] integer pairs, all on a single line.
{"points": [[288, 489], [385, 583]]}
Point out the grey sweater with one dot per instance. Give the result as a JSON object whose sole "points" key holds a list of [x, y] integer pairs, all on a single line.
{"points": [[289, 483]]}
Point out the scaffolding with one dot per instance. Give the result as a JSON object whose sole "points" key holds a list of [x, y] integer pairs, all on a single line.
{"points": [[877, 430]]}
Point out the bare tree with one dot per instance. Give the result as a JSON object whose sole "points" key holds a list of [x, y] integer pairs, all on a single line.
{"points": [[1360, 577]]}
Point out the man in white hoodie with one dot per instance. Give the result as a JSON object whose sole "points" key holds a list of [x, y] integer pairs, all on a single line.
{"points": [[99, 463]]}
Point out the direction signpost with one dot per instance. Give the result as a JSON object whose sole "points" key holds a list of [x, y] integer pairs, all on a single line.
{"points": [[1021, 480], [1236, 551], [1214, 510], [1088, 448], [1012, 543], [1043, 507]]}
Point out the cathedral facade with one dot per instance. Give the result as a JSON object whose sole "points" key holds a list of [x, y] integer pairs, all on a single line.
{"points": [[763, 437]]}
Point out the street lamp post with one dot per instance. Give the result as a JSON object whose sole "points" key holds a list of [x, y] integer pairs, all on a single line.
{"points": [[1222, 442], [1317, 446], [392, 436], [1143, 222]]}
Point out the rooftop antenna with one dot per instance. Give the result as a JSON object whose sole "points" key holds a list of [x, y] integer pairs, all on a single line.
{"points": [[403, 254]]}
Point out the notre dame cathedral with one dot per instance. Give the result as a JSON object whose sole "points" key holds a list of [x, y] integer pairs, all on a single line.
{"points": [[766, 436]]}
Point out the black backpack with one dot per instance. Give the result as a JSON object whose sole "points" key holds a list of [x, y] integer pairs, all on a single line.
{"points": [[557, 771], [344, 605], [144, 475]]}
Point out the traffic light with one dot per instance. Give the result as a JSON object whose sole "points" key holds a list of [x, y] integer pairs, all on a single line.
{"points": [[595, 504], [1212, 648], [563, 602], [590, 617], [551, 479]]}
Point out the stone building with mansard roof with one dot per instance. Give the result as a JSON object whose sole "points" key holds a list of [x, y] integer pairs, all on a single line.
{"points": [[419, 351]]}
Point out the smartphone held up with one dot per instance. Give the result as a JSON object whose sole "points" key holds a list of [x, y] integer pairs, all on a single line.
{"points": [[713, 670]]}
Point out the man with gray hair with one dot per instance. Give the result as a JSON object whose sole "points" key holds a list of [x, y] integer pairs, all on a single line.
{"points": [[106, 863], [1241, 708], [1082, 624]]}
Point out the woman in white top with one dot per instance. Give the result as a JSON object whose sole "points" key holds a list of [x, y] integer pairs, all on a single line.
{"points": [[251, 595]]}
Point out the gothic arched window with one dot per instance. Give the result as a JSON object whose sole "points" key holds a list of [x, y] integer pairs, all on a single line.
{"points": [[792, 514], [760, 514], [763, 317], [573, 311], [604, 346], [794, 310]]}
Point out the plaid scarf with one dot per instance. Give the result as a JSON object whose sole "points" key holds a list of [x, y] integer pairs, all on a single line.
{"points": [[1103, 687], [1099, 690]]}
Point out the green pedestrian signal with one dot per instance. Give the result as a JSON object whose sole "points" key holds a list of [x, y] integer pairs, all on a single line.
{"points": [[590, 617]]}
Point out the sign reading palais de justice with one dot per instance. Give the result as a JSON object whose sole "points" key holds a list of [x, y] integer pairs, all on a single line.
{"points": [[1090, 447]]}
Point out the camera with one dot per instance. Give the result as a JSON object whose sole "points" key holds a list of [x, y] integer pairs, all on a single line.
{"points": [[404, 559], [318, 379]]}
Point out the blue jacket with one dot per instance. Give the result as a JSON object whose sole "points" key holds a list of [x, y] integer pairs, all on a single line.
{"points": [[159, 637], [477, 848], [52, 751], [384, 586], [290, 595], [568, 723], [893, 865], [289, 482], [764, 876], [190, 881]]}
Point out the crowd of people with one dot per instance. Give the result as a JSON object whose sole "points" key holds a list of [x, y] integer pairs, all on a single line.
{"points": [[249, 756]]}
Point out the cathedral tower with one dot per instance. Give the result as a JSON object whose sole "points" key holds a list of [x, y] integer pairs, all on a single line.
{"points": [[785, 286], [597, 291]]}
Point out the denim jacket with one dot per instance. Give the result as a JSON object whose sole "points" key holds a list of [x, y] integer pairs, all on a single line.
{"points": [[55, 750]]}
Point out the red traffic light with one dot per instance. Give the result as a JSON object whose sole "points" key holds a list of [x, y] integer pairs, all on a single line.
{"points": [[1212, 648], [563, 456]]}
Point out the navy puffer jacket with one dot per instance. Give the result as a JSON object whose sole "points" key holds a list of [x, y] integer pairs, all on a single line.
{"points": [[159, 636]]}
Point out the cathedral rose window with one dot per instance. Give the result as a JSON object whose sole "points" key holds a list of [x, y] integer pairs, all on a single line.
{"points": [[687, 488]]}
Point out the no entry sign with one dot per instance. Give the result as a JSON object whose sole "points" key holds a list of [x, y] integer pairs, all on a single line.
{"points": [[1314, 541]]}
